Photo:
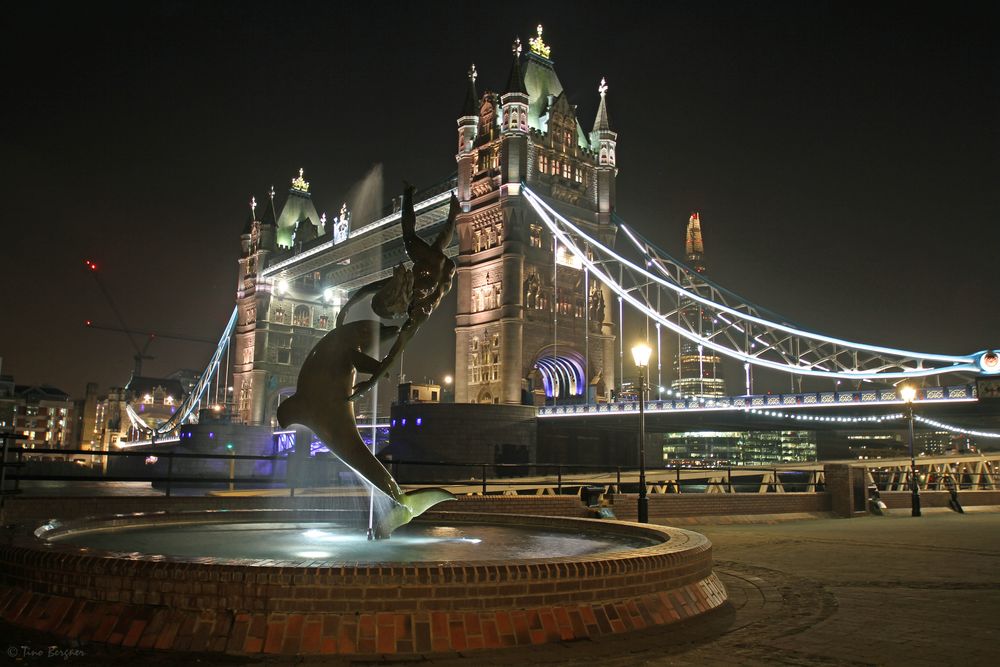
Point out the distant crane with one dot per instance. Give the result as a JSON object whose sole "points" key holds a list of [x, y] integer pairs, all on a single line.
{"points": [[140, 353]]}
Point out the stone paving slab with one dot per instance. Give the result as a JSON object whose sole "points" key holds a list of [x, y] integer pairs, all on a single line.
{"points": [[890, 590]]}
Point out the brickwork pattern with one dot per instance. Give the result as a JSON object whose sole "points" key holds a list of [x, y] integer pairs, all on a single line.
{"points": [[666, 506], [901, 499], [319, 607]]}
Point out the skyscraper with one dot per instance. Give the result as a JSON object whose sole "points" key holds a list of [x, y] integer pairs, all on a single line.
{"points": [[698, 371]]}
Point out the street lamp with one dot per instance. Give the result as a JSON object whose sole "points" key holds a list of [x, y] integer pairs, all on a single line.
{"points": [[641, 354], [908, 393]]}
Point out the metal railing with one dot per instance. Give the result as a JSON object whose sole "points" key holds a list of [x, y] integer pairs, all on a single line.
{"points": [[476, 477]]}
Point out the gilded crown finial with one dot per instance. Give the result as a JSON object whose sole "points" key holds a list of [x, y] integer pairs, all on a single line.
{"points": [[538, 45], [300, 183], [253, 205], [603, 88], [516, 49], [473, 73]]}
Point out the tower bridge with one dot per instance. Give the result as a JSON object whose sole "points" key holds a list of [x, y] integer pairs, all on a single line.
{"points": [[545, 272]]}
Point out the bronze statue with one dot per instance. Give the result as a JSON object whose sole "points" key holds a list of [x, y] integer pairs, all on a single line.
{"points": [[324, 395], [432, 275], [322, 403]]}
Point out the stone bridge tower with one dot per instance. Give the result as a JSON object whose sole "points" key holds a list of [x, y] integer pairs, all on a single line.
{"points": [[531, 327]]}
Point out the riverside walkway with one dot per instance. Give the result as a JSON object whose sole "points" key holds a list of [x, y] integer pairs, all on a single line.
{"points": [[891, 590]]}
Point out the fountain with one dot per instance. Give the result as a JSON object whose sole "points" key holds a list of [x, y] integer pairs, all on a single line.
{"points": [[307, 581]]}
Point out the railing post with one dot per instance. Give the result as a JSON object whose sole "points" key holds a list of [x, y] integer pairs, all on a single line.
{"points": [[729, 478], [678, 477], [3, 470], [20, 464], [484, 479], [558, 480], [618, 476], [170, 471]]}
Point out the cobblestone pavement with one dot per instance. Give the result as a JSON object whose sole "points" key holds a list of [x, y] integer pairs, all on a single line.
{"points": [[890, 590]]}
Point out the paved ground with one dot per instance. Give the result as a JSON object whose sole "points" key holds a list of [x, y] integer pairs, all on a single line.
{"points": [[870, 591]]}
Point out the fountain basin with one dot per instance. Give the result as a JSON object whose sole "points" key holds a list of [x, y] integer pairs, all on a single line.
{"points": [[637, 576]]}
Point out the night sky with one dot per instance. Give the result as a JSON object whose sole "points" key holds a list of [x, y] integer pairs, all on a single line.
{"points": [[844, 157]]}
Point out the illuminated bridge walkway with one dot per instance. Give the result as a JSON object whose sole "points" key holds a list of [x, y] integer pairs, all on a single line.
{"points": [[769, 402]]}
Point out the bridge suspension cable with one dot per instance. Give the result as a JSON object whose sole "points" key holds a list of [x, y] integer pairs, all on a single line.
{"points": [[740, 330], [193, 401]]}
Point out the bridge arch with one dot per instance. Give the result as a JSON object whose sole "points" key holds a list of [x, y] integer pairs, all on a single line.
{"points": [[563, 371]]}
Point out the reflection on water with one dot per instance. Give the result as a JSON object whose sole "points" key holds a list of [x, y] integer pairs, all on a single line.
{"points": [[332, 541]]}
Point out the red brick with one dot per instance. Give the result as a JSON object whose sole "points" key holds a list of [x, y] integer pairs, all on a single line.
{"points": [[311, 635], [457, 634]]}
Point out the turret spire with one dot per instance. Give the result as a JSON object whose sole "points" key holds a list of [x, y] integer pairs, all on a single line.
{"points": [[471, 105], [602, 122], [515, 82]]}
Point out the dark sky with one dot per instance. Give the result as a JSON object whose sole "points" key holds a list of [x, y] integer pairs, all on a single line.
{"points": [[845, 157]]}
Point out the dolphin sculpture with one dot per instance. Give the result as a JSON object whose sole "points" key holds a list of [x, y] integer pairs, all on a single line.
{"points": [[322, 403]]}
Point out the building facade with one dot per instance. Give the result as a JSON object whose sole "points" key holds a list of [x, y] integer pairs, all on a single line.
{"points": [[44, 415], [530, 327], [734, 448]]}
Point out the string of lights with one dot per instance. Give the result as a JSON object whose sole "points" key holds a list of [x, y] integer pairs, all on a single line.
{"points": [[910, 364]]}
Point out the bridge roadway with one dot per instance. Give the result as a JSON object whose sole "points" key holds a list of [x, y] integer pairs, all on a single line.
{"points": [[844, 410], [371, 250]]}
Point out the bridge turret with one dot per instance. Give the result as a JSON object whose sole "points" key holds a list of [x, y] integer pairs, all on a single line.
{"points": [[514, 124], [468, 132], [604, 141]]}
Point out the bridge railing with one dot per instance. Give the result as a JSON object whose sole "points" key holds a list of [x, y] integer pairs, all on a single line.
{"points": [[963, 392], [972, 474], [172, 472]]}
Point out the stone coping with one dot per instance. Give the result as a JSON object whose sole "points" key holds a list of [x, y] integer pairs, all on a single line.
{"points": [[666, 540]]}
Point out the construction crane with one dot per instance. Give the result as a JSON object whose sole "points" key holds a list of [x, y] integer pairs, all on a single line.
{"points": [[140, 353]]}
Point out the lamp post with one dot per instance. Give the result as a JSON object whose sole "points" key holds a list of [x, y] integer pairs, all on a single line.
{"points": [[446, 396], [908, 393], [641, 354]]}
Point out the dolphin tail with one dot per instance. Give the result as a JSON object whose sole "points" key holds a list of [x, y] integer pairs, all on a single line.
{"points": [[421, 500], [412, 504]]}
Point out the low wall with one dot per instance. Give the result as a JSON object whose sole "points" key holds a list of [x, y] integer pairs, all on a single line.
{"points": [[901, 499], [410, 609], [663, 507]]}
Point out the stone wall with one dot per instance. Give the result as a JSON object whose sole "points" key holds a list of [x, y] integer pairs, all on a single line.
{"points": [[458, 432]]}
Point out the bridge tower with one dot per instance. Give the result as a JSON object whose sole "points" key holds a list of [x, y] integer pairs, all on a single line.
{"points": [[698, 369], [278, 321], [531, 327]]}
